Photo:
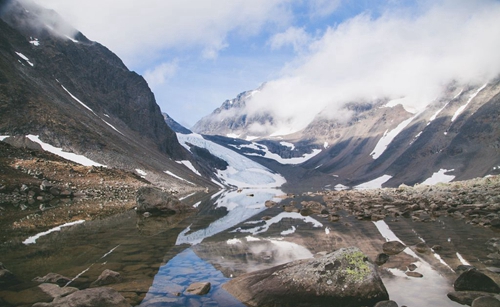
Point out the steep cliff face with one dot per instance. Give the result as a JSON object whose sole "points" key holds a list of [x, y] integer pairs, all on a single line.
{"points": [[76, 94]]}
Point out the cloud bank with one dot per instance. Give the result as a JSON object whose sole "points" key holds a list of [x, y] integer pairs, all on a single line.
{"points": [[398, 54]]}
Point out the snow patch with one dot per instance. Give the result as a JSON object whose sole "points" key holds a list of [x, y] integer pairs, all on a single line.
{"points": [[189, 165], [32, 239], [325, 145], [389, 136], [77, 100], [270, 155], [462, 108], [22, 56], [288, 231], [178, 177], [374, 184], [462, 260], [439, 176], [66, 155], [141, 172], [113, 127], [34, 41]]}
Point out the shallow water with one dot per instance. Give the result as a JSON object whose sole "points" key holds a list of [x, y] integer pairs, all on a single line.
{"points": [[158, 257]]}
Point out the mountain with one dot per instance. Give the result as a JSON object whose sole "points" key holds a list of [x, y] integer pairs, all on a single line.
{"points": [[76, 95], [456, 137]]}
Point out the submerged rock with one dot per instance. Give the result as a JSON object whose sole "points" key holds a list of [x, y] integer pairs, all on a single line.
{"points": [[486, 301], [107, 277], [53, 278], [150, 199], [199, 288], [393, 247], [467, 297], [342, 278], [91, 297]]}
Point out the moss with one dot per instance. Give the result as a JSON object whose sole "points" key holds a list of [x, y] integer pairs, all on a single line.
{"points": [[357, 269]]}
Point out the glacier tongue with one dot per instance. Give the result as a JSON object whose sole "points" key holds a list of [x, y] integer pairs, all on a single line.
{"points": [[241, 172]]}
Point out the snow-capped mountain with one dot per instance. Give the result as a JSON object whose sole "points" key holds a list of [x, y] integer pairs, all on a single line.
{"points": [[456, 137]]}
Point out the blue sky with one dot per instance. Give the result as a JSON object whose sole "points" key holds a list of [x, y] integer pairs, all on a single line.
{"points": [[316, 53]]}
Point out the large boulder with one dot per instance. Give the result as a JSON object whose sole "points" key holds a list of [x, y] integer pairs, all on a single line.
{"points": [[92, 297], [473, 280], [107, 277], [150, 199], [343, 278]]}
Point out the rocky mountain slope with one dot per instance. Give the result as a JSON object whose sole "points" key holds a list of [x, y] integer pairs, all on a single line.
{"points": [[456, 137], [75, 94]]}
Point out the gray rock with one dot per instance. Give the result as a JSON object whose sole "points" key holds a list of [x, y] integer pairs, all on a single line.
{"points": [[414, 274], [486, 301], [386, 304], [107, 277], [473, 280], [153, 200], [56, 291], [393, 247], [92, 297], [199, 288], [45, 185], [342, 278], [53, 278], [466, 297], [421, 247]]}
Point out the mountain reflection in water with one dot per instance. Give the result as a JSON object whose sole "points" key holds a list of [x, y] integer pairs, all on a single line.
{"points": [[234, 233]]}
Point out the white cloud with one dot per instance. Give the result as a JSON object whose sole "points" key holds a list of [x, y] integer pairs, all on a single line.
{"points": [[139, 30], [396, 55], [298, 38], [161, 73], [322, 8]]}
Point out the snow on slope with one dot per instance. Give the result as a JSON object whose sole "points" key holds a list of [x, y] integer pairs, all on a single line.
{"points": [[462, 108], [388, 136], [373, 184], [241, 172], [66, 155], [270, 155], [240, 207], [439, 176]]}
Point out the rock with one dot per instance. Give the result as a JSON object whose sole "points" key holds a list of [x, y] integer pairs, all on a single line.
{"points": [[473, 280], [381, 258], [199, 288], [412, 267], [92, 297], [414, 274], [154, 200], [437, 247], [421, 247], [270, 203], [53, 278], [45, 185], [467, 297], [493, 269], [55, 191], [386, 304], [495, 223], [342, 278], [486, 301], [107, 277], [393, 247], [56, 291], [462, 268]]}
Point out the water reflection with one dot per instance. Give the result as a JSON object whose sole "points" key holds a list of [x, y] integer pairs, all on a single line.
{"points": [[239, 205]]}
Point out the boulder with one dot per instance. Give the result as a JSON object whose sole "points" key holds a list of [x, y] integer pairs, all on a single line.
{"points": [[150, 199], [107, 277], [386, 304], [467, 297], [342, 278], [486, 301], [199, 288], [92, 297], [393, 247], [53, 278], [473, 280], [422, 247]]}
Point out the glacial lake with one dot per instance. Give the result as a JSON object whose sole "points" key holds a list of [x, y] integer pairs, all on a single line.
{"points": [[233, 233]]}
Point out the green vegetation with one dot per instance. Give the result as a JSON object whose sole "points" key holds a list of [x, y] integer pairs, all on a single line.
{"points": [[358, 269]]}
